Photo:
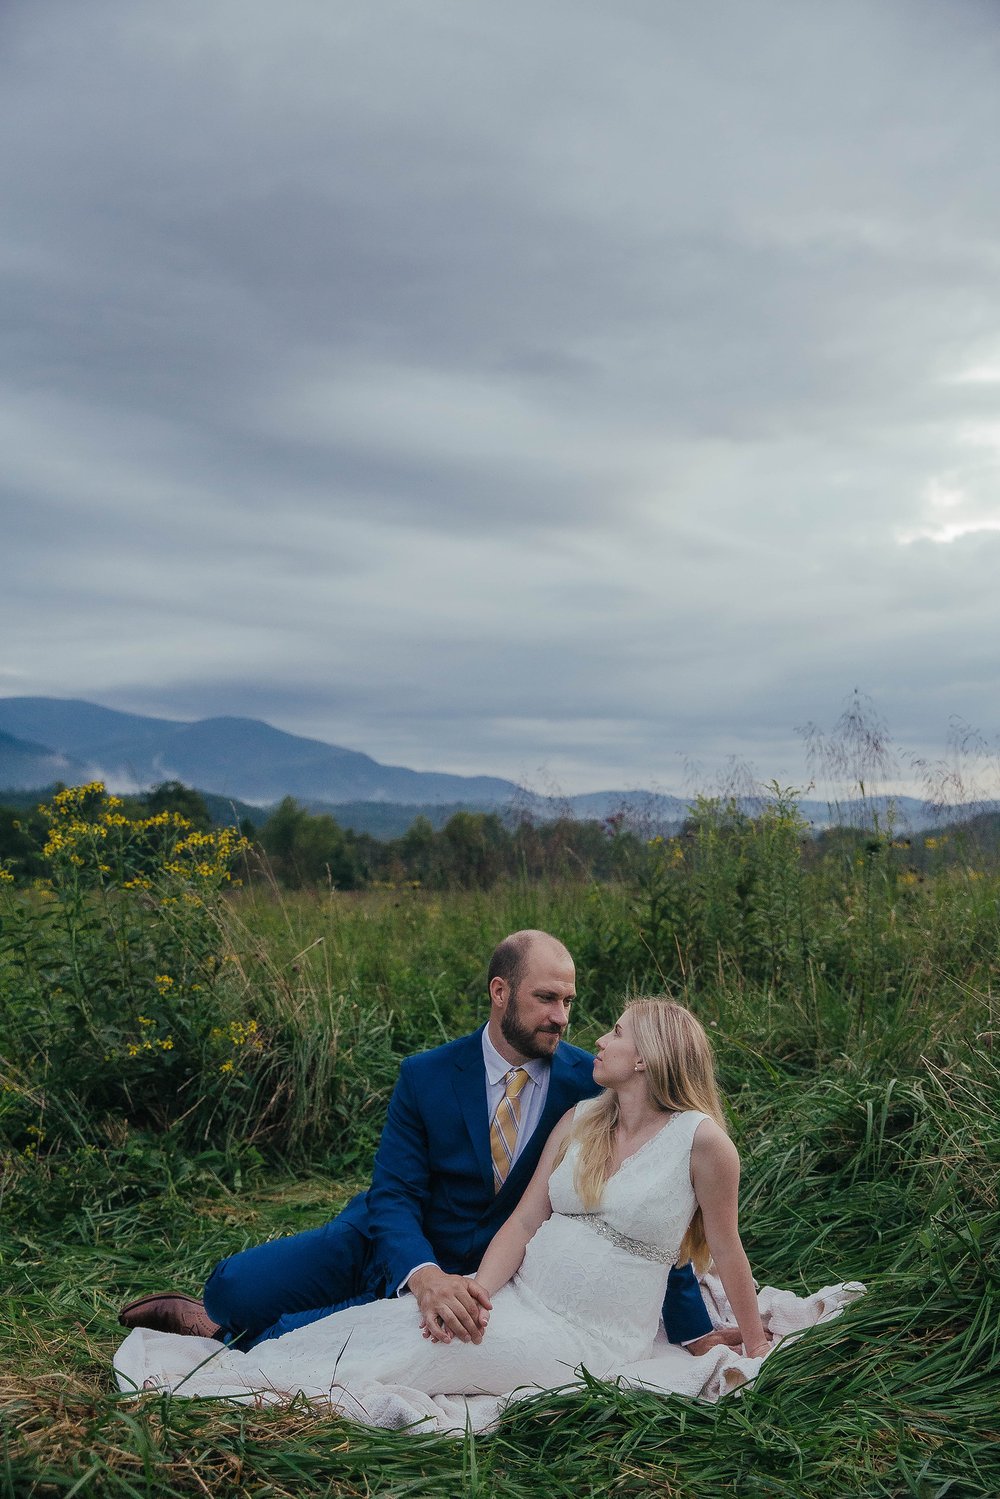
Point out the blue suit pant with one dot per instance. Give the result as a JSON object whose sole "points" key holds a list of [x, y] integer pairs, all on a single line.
{"points": [[274, 1287]]}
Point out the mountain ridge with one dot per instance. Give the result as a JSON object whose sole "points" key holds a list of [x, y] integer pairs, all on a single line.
{"points": [[43, 740], [236, 756]]}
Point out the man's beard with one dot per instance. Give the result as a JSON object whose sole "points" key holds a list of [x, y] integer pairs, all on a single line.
{"points": [[531, 1044]]}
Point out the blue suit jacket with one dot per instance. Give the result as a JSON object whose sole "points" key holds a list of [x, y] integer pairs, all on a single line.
{"points": [[432, 1196]]}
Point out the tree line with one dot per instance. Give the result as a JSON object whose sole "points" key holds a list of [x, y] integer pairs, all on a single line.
{"points": [[299, 849], [302, 849]]}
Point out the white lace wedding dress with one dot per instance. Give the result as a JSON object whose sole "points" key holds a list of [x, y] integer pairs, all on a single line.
{"points": [[588, 1295]]}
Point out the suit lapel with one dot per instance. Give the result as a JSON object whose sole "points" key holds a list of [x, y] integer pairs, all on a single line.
{"points": [[470, 1089]]}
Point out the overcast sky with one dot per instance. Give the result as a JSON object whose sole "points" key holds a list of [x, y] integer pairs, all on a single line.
{"points": [[561, 390]]}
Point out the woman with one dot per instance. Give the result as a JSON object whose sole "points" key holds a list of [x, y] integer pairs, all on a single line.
{"points": [[656, 1065], [629, 1182]]}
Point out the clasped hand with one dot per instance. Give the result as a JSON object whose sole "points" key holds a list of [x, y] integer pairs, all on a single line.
{"points": [[451, 1306]]}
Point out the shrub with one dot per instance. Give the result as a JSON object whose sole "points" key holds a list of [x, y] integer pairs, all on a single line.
{"points": [[114, 993]]}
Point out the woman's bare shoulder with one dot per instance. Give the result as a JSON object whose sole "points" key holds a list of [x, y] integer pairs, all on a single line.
{"points": [[712, 1146]]}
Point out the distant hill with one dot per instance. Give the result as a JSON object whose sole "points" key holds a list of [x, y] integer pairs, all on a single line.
{"points": [[238, 757], [902, 814], [26, 764], [388, 820], [240, 761], [74, 726]]}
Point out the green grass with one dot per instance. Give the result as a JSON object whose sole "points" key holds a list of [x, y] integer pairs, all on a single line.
{"points": [[849, 1175], [856, 1037]]}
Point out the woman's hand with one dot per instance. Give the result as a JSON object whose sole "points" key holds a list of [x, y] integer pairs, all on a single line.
{"points": [[437, 1332], [451, 1306]]}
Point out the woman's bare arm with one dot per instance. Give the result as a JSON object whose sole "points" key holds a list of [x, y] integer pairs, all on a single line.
{"points": [[505, 1250], [715, 1176]]}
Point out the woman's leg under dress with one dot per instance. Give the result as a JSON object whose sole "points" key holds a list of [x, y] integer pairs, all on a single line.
{"points": [[382, 1343]]}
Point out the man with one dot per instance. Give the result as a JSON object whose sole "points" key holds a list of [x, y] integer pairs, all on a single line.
{"points": [[464, 1133]]}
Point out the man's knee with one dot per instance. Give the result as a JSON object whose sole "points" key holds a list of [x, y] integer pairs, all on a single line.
{"points": [[250, 1291]]}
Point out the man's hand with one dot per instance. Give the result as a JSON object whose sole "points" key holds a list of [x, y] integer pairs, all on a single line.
{"points": [[731, 1336], [451, 1306]]}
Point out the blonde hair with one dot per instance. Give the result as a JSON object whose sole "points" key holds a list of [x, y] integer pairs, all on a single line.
{"points": [[679, 1074]]}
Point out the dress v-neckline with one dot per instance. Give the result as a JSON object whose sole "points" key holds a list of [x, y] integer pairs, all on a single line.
{"points": [[644, 1146]]}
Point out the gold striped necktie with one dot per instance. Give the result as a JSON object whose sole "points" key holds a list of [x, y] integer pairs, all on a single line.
{"points": [[503, 1130]]}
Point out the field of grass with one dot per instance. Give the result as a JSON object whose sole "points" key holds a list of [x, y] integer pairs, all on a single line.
{"points": [[186, 1069]]}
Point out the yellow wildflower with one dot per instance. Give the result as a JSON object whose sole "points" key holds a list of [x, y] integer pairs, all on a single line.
{"points": [[75, 796]]}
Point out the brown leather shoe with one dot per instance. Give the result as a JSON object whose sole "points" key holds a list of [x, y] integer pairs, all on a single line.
{"points": [[171, 1311]]}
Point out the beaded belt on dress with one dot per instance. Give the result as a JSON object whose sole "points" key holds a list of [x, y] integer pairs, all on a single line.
{"points": [[635, 1247]]}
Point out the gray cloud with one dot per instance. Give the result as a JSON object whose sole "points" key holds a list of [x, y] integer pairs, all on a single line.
{"points": [[552, 392]]}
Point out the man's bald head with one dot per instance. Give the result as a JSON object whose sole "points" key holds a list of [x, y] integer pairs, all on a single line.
{"points": [[510, 957], [532, 985]]}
